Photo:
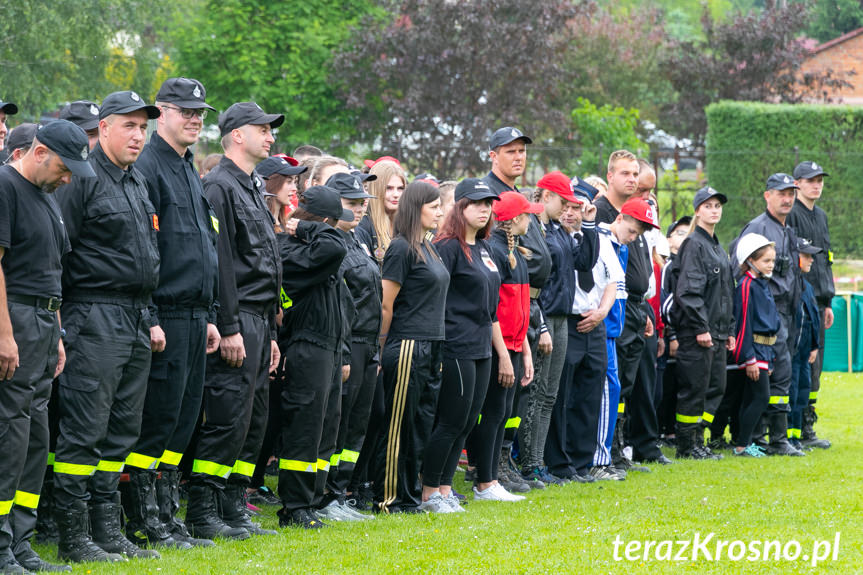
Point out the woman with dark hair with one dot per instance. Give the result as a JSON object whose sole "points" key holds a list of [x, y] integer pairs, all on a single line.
{"points": [[280, 175], [471, 303], [312, 329], [415, 283]]}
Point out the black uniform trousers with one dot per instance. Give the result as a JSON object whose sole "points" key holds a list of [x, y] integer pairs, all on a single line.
{"points": [[329, 435], [311, 371], [102, 392], [701, 380], [412, 379], [630, 345], [780, 379], [357, 395], [24, 421], [819, 361], [668, 405], [235, 405], [643, 421], [571, 440], [174, 391]]}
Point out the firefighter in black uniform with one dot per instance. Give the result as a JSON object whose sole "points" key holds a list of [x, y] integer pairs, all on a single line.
{"points": [[311, 253], [703, 319], [236, 388], [186, 312], [31, 353], [108, 279], [810, 222]]}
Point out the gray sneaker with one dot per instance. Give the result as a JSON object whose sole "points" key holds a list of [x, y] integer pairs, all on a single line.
{"points": [[436, 504], [454, 503], [606, 473], [336, 512]]}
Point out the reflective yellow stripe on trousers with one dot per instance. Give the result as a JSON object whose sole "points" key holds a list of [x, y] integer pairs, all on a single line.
{"points": [[513, 423], [243, 468], [294, 465], [73, 468], [142, 461], [29, 500], [687, 418], [778, 399], [349, 456], [211, 468], [109, 466], [171, 458]]}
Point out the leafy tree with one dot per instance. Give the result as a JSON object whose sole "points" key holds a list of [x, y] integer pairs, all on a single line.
{"points": [[601, 130], [832, 18]]}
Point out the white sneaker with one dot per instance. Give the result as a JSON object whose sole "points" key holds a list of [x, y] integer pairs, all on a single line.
{"points": [[495, 492], [436, 504], [353, 511], [453, 503], [335, 512]]}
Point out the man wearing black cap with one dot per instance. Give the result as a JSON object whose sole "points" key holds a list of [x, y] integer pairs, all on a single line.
{"points": [[6, 109], [108, 279], [84, 114], [185, 304], [31, 352], [785, 287], [810, 222], [19, 140], [508, 154], [236, 387]]}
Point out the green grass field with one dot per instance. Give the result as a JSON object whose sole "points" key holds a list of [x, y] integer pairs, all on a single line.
{"points": [[572, 528]]}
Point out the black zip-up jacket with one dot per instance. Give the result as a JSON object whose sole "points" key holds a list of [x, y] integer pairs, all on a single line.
{"points": [[249, 268], [310, 270], [112, 229], [703, 297], [812, 225], [363, 279], [188, 229]]}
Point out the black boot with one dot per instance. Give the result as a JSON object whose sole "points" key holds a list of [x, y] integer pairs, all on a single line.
{"points": [[202, 516], [107, 521], [232, 504], [701, 446], [46, 527], [8, 565], [168, 497], [685, 439], [808, 437], [74, 543], [143, 526], [30, 560], [779, 436]]}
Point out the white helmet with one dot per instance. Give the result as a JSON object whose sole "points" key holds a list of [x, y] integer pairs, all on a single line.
{"points": [[749, 244]]}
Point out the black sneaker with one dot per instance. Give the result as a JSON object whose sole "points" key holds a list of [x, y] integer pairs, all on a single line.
{"points": [[303, 518], [470, 475], [719, 444], [263, 496], [534, 475]]}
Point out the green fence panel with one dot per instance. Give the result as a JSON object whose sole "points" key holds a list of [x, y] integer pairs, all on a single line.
{"points": [[836, 340]]}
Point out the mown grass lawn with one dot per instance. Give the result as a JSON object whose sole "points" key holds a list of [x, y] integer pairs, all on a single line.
{"points": [[572, 529]]}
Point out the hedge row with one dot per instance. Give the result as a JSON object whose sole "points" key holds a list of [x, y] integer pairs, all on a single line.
{"points": [[748, 141]]}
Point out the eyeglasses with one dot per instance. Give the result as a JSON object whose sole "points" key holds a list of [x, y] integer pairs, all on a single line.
{"points": [[189, 113]]}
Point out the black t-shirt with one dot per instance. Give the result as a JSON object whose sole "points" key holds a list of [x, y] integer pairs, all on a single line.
{"points": [[418, 311], [33, 236], [471, 300]]}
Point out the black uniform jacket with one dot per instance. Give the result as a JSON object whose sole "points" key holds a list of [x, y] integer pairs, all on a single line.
{"points": [[812, 225], [363, 279]]}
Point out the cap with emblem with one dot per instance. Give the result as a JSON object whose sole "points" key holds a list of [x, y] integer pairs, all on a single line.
{"points": [[512, 204], [288, 159], [505, 136], [20, 138], [780, 181], [558, 182], [277, 165], [473, 189], [371, 163], [582, 189], [348, 186], [70, 143], [641, 210], [83, 113], [807, 170], [247, 113], [126, 102], [364, 177], [184, 92], [8, 107], [705, 194], [804, 246], [325, 202], [683, 221]]}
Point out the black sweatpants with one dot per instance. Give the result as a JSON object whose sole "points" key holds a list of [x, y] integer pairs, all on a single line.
{"points": [[102, 391], [357, 395], [412, 380], [754, 396], [571, 440], [365, 469], [24, 421], [329, 433], [485, 441], [462, 394], [235, 405], [174, 391], [272, 435], [668, 406], [643, 422], [629, 344], [311, 371]]}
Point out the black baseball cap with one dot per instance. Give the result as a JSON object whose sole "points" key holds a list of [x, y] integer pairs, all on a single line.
{"points": [[705, 194], [804, 246], [126, 102], [184, 92], [364, 176], [473, 189], [244, 113], [348, 186], [83, 113], [325, 202], [69, 142], [780, 181], [506, 135], [8, 107], [21, 136], [683, 221], [428, 178], [277, 165], [806, 170]]}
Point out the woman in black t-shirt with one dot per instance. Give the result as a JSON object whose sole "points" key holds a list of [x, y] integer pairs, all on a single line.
{"points": [[470, 313], [412, 332]]}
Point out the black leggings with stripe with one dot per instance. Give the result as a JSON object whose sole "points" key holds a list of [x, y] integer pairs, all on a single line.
{"points": [[412, 380]]}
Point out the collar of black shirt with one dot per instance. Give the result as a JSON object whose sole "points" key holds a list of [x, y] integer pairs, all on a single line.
{"points": [[168, 155], [234, 170], [117, 174]]}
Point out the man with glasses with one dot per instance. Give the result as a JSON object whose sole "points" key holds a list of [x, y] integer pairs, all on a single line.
{"points": [[185, 303]]}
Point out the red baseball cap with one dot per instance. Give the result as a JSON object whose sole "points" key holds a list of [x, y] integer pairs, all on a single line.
{"points": [[288, 159], [641, 210], [512, 204], [558, 182], [370, 163]]}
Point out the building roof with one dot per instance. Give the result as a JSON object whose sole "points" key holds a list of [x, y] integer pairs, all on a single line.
{"points": [[829, 44]]}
